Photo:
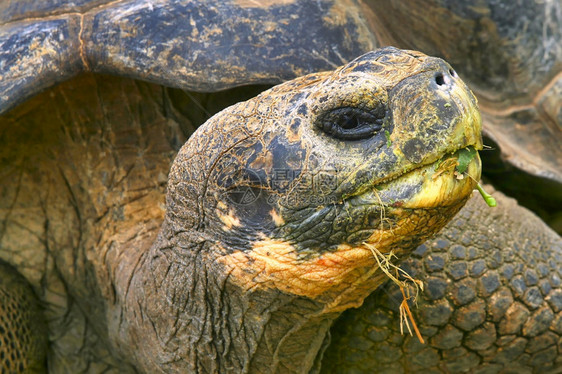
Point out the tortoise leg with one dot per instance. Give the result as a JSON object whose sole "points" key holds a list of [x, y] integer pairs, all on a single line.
{"points": [[23, 334]]}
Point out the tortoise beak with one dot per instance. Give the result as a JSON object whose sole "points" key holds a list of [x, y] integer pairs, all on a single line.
{"points": [[431, 186]]}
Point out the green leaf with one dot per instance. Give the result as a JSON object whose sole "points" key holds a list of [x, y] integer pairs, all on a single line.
{"points": [[465, 156]]}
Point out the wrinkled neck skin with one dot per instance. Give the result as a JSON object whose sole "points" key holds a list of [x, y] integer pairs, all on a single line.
{"points": [[179, 312]]}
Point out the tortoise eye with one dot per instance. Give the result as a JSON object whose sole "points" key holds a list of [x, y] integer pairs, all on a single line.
{"points": [[348, 123]]}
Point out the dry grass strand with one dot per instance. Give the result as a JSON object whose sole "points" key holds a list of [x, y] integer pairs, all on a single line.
{"points": [[385, 264]]}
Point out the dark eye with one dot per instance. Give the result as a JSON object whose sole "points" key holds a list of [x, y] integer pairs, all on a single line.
{"points": [[348, 123]]}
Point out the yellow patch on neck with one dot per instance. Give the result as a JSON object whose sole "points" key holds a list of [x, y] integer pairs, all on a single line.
{"points": [[277, 219], [229, 220], [342, 277], [274, 264]]}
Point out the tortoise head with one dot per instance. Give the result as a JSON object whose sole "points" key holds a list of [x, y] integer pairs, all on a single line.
{"points": [[290, 185]]}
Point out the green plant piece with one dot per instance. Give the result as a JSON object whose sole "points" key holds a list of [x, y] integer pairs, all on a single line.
{"points": [[487, 197], [387, 135], [465, 156]]}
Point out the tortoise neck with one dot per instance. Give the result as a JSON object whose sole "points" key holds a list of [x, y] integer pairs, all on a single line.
{"points": [[192, 318]]}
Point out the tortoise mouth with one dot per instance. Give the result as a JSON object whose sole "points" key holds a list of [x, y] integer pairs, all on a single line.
{"points": [[427, 186]]}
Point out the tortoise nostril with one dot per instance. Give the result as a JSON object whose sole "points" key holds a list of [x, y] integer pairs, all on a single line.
{"points": [[439, 79], [445, 78]]}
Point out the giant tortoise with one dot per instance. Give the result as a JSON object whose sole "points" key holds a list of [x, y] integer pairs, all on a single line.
{"points": [[274, 205]]}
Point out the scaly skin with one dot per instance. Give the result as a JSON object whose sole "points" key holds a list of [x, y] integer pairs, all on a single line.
{"points": [[492, 302], [23, 343], [213, 289]]}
